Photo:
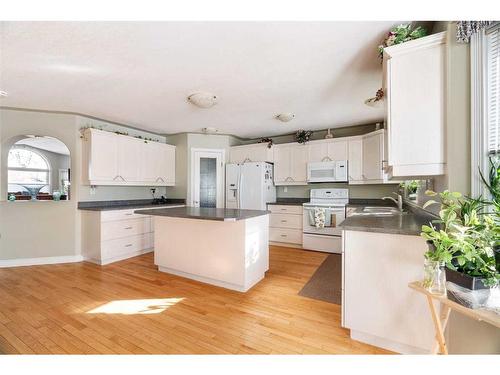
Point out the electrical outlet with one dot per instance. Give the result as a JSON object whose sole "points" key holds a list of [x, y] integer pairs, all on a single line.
{"points": [[92, 190], [285, 189]]}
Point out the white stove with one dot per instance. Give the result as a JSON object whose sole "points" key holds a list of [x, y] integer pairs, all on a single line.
{"points": [[321, 219]]}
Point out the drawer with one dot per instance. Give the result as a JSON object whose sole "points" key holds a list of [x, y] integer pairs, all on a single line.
{"points": [[285, 235], [286, 221], [285, 209], [123, 246], [125, 228], [329, 244], [120, 215]]}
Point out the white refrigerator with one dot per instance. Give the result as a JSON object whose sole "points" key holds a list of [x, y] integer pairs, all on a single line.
{"points": [[250, 185]]}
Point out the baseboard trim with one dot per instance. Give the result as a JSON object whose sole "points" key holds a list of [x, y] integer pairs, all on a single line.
{"points": [[386, 343], [208, 280], [24, 262], [285, 244], [104, 262]]}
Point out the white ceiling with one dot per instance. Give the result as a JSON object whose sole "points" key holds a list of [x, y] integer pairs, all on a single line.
{"points": [[140, 73], [45, 143]]}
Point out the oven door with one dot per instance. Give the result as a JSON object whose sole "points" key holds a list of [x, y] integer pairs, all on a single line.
{"points": [[333, 217]]}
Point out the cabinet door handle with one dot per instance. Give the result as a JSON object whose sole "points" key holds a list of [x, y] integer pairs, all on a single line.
{"points": [[128, 245], [128, 228]]}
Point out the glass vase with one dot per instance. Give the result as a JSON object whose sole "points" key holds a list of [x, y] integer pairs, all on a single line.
{"points": [[434, 277]]}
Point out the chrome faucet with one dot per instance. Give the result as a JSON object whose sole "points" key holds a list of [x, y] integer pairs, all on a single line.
{"points": [[398, 201]]}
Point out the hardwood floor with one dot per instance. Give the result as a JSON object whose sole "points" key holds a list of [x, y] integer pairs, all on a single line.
{"points": [[130, 307]]}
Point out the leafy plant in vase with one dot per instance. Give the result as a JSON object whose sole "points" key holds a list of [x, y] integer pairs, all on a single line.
{"points": [[411, 187], [462, 243]]}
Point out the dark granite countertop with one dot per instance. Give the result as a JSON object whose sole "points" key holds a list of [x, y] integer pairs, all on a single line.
{"points": [[127, 204], [408, 223], [202, 213]]}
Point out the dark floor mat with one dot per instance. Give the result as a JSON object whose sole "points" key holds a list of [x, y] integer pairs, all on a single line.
{"points": [[326, 283]]}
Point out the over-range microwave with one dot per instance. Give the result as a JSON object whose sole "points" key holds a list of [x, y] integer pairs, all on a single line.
{"points": [[327, 171]]}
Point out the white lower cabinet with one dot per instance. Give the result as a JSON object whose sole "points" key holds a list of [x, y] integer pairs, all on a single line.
{"points": [[109, 236], [285, 224], [377, 305]]}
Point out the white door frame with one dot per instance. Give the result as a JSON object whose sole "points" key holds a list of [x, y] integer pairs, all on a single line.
{"points": [[196, 154]]}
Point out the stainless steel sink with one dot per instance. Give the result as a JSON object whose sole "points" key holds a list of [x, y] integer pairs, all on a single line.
{"points": [[378, 211], [381, 210]]}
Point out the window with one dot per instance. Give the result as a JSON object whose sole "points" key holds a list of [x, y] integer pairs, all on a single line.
{"points": [[27, 170], [485, 106], [493, 91]]}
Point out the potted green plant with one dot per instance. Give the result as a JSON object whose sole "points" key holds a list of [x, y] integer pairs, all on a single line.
{"points": [[464, 239], [411, 187]]}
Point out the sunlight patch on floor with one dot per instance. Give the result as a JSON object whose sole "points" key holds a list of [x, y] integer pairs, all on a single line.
{"points": [[136, 306]]}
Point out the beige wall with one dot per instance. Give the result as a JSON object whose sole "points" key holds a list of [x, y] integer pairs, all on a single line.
{"points": [[37, 229], [46, 228]]}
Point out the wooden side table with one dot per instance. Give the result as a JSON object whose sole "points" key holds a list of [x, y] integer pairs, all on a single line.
{"points": [[441, 320]]}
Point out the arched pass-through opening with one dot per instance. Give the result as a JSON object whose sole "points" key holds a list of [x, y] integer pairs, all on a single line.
{"points": [[37, 168]]}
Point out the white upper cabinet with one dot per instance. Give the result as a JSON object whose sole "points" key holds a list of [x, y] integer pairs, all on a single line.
{"points": [[327, 150], [372, 155], [129, 164], [112, 159], [415, 88], [168, 164], [101, 156], [253, 152], [290, 164], [355, 159]]}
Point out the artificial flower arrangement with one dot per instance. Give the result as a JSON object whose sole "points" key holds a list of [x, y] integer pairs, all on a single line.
{"points": [[303, 136], [400, 34]]}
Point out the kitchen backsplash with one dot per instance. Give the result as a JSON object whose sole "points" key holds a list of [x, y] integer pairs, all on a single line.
{"points": [[355, 191]]}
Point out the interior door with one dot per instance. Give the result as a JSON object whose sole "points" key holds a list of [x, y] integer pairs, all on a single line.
{"points": [[207, 179]]}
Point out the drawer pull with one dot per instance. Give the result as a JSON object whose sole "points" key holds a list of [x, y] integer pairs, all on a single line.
{"points": [[128, 228], [284, 209], [283, 221], [128, 245], [284, 235], [128, 214]]}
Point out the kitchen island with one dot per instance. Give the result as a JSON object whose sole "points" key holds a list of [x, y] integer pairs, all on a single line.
{"points": [[223, 247]]}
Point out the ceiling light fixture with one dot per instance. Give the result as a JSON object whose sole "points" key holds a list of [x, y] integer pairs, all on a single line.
{"points": [[209, 130], [285, 117], [3, 94], [203, 99]]}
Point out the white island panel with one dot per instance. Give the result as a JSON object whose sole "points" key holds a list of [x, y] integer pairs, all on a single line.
{"points": [[230, 254]]}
